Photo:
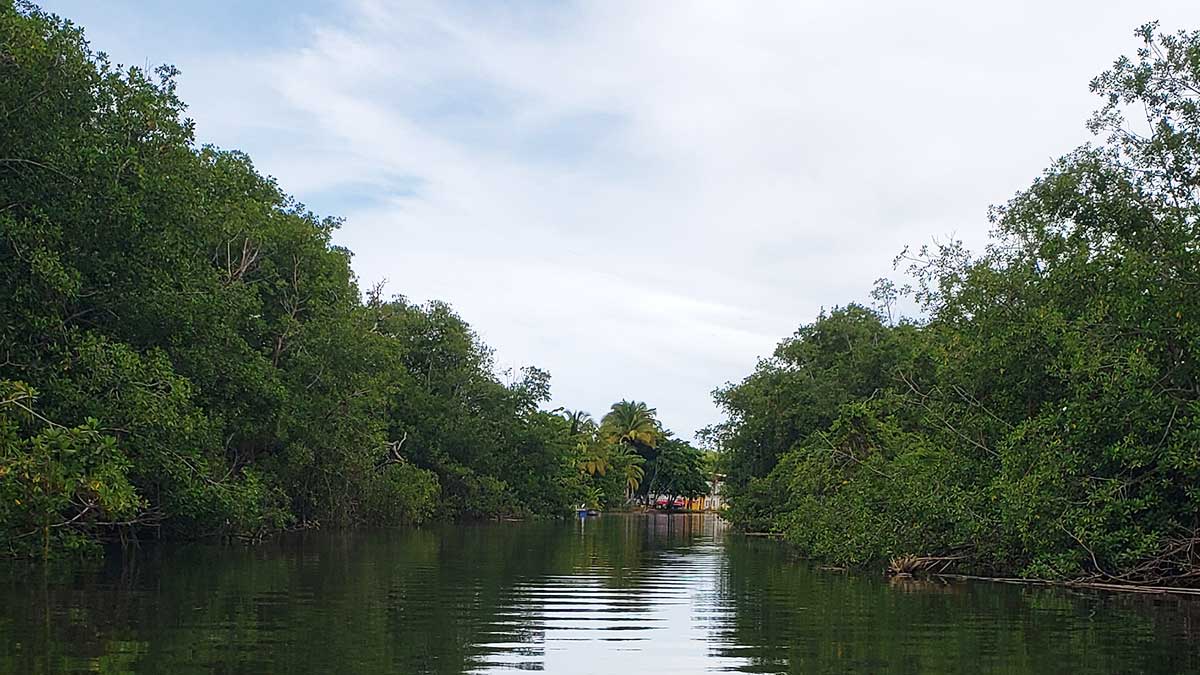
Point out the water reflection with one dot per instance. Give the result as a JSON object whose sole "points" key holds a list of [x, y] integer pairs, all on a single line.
{"points": [[618, 594]]}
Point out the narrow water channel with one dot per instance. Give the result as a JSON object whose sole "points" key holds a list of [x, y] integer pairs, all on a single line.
{"points": [[616, 594]]}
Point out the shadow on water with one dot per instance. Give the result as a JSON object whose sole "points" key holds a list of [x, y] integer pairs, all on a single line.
{"points": [[787, 616], [626, 594]]}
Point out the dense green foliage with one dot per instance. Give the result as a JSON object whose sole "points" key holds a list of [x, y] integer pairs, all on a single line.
{"points": [[630, 457], [1043, 418], [183, 352]]}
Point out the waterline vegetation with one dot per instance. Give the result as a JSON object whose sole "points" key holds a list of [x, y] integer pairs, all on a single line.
{"points": [[1042, 416], [184, 352]]}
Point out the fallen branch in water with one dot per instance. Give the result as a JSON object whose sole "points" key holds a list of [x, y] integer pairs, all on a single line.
{"points": [[1128, 588]]}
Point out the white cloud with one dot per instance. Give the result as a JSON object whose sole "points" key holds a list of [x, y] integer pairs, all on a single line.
{"points": [[643, 197]]}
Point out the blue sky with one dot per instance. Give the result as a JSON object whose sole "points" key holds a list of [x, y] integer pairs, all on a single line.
{"points": [[641, 197]]}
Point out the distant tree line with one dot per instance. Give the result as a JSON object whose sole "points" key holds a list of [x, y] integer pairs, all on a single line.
{"points": [[630, 457], [1042, 417], [184, 353]]}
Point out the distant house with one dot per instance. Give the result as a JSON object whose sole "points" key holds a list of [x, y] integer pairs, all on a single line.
{"points": [[712, 501]]}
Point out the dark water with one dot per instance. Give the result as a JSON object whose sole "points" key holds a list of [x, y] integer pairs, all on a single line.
{"points": [[618, 594]]}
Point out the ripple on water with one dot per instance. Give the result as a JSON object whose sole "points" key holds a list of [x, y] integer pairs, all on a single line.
{"points": [[640, 594]]}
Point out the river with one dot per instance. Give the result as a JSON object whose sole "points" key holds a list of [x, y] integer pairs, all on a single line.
{"points": [[617, 594]]}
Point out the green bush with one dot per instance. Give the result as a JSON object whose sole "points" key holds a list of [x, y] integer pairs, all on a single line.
{"points": [[1041, 419], [58, 485]]}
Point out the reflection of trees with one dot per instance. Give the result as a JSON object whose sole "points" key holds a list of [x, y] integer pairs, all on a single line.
{"points": [[785, 615], [448, 600], [434, 600]]}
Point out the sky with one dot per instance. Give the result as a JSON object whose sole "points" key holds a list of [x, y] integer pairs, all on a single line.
{"points": [[641, 197]]}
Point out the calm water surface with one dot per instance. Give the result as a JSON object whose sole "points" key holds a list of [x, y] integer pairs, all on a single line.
{"points": [[617, 594]]}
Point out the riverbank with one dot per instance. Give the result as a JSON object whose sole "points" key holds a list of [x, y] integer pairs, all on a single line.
{"points": [[918, 567]]}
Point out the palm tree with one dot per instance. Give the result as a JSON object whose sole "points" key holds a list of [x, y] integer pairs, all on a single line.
{"points": [[629, 463], [593, 456], [632, 428], [599, 457], [579, 420], [631, 423]]}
